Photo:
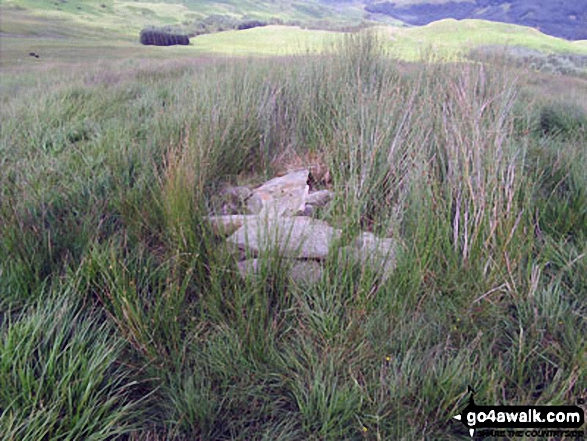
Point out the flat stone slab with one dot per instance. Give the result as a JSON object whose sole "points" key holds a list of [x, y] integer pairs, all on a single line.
{"points": [[377, 253], [280, 226], [232, 200], [248, 267], [226, 225], [369, 243], [292, 237], [237, 194], [282, 196], [319, 198]]}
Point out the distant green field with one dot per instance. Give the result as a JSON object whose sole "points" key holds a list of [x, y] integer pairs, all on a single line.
{"points": [[449, 38], [445, 39], [269, 40]]}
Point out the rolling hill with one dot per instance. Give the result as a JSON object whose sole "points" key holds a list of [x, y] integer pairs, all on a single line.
{"points": [[560, 18], [130, 15]]}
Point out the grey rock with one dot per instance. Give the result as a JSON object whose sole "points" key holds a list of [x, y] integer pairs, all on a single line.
{"points": [[371, 243], [230, 208], [233, 200], [248, 267], [239, 194], [254, 204], [319, 198], [228, 224], [282, 196], [275, 229], [369, 250], [309, 211], [293, 237]]}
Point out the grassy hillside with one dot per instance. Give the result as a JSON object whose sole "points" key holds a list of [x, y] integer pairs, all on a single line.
{"points": [[447, 38], [77, 38], [130, 16], [561, 18], [122, 314]]}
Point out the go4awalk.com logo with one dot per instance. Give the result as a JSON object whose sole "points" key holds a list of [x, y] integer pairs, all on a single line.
{"points": [[523, 421]]}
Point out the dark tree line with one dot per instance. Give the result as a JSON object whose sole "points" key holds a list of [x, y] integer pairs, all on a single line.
{"points": [[250, 24], [162, 37]]}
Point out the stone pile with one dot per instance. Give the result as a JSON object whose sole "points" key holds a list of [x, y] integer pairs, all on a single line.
{"points": [[276, 219]]}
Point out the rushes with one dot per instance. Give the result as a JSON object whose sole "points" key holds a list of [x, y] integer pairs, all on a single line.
{"points": [[482, 161]]}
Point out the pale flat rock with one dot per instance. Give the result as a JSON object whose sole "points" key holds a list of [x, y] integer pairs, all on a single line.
{"points": [[233, 200], [319, 198], [237, 194], [228, 224], [373, 244], [283, 196], [293, 237], [309, 211], [275, 229], [275, 186], [379, 254]]}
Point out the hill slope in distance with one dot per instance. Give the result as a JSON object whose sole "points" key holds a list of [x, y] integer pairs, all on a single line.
{"points": [[560, 18]]}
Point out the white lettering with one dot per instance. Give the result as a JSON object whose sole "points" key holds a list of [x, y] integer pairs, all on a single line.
{"points": [[512, 417], [471, 418], [491, 416]]}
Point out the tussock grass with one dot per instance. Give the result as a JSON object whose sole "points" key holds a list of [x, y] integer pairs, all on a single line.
{"points": [[105, 184], [61, 376]]}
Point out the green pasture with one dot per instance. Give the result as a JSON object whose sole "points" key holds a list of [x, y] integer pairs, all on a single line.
{"points": [[268, 40], [450, 38]]}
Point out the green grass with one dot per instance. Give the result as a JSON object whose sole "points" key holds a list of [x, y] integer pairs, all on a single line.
{"points": [[268, 40], [129, 16], [115, 29], [452, 38], [122, 314], [446, 39], [60, 376]]}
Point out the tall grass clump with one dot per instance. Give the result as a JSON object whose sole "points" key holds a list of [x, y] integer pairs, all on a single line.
{"points": [[60, 375], [479, 167]]}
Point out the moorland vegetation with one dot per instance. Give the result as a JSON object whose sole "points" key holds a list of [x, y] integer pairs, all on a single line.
{"points": [[122, 314]]}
